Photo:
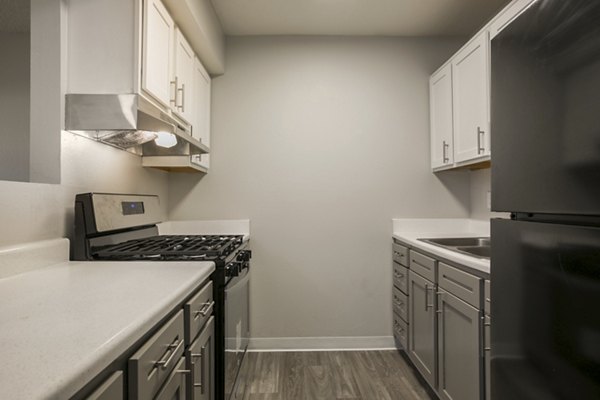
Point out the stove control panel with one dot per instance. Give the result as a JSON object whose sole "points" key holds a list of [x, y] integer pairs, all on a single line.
{"points": [[241, 262]]}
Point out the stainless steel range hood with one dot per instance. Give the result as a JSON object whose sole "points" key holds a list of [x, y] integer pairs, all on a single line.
{"points": [[128, 121]]}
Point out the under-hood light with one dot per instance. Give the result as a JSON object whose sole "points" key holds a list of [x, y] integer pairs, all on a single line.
{"points": [[166, 140]]}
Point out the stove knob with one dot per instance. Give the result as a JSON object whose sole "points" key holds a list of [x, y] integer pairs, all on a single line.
{"points": [[233, 269], [244, 255]]}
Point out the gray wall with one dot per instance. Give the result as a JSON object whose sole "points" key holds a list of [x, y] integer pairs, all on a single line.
{"points": [[321, 142], [14, 106], [33, 211]]}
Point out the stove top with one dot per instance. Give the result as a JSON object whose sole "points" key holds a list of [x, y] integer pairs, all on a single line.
{"points": [[170, 247]]}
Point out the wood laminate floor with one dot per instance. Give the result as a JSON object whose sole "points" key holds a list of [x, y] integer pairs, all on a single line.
{"points": [[331, 375]]}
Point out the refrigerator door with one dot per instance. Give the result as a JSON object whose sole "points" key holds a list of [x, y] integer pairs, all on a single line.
{"points": [[545, 118], [544, 316]]}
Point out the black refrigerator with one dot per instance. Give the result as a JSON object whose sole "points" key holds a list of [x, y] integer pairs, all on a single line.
{"points": [[545, 268]]}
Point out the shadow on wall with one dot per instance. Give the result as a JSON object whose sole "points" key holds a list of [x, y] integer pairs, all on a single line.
{"points": [[453, 182]]}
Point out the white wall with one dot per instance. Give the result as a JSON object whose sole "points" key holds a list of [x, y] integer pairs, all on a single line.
{"points": [[33, 211], [321, 142], [14, 106], [481, 182]]}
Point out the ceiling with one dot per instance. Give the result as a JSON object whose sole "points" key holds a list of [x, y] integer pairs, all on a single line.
{"points": [[14, 16], [355, 17]]}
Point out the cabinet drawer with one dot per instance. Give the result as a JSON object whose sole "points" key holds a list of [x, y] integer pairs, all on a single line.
{"points": [[198, 311], [176, 386], [151, 365], [422, 265], [201, 363], [461, 284], [400, 254], [400, 332], [111, 389], [487, 296], [400, 302], [401, 277]]}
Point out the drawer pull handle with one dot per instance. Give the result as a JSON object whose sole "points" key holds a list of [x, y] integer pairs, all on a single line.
{"points": [[201, 356], [204, 310], [487, 349], [183, 371], [173, 348]]}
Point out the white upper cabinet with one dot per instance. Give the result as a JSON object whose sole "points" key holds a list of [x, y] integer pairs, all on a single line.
{"points": [[201, 102], [470, 71], [183, 78], [440, 99], [157, 52]]}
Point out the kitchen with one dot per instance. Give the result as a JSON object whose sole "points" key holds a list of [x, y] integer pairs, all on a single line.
{"points": [[318, 141]]}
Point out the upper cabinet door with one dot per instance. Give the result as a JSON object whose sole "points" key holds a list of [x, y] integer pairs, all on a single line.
{"points": [[157, 51], [202, 98], [440, 98], [471, 100], [184, 77]]}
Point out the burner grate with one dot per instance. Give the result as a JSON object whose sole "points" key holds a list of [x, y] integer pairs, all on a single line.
{"points": [[171, 247]]}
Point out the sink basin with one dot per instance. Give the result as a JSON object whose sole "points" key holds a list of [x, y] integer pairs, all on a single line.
{"points": [[460, 242], [479, 251], [473, 246]]}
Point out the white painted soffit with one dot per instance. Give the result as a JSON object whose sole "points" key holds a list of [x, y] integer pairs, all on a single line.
{"points": [[355, 17]]}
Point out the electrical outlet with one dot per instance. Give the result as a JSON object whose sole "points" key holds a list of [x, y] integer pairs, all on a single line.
{"points": [[488, 197]]}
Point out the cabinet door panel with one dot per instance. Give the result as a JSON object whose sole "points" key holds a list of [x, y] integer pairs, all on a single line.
{"points": [[184, 72], [470, 100], [201, 122], [459, 362], [421, 326], [201, 360], [441, 130], [157, 53], [176, 386]]}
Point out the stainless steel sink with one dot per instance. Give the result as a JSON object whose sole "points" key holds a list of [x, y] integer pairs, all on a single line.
{"points": [[473, 246]]}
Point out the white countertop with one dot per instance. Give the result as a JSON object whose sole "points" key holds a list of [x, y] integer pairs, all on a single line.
{"points": [[410, 230], [63, 324]]}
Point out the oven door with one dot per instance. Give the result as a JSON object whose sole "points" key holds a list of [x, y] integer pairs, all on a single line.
{"points": [[545, 321], [237, 332]]}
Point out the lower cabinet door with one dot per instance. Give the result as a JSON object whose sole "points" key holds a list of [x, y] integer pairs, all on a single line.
{"points": [[175, 388], [201, 363], [459, 363], [421, 325]]}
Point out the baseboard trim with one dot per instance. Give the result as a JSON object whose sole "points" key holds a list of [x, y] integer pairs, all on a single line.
{"points": [[329, 343]]}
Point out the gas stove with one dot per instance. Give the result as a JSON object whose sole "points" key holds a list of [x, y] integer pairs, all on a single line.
{"points": [[118, 227]]}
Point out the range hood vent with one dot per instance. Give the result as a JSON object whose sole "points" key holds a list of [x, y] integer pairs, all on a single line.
{"points": [[129, 122]]}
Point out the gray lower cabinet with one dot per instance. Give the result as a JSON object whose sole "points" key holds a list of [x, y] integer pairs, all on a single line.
{"points": [[175, 388], [201, 360], [448, 336], [458, 349], [422, 326], [400, 295], [111, 389]]}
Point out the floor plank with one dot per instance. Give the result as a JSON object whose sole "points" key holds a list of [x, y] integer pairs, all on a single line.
{"points": [[336, 375]]}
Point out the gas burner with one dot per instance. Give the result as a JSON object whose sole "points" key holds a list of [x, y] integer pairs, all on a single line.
{"points": [[173, 248]]}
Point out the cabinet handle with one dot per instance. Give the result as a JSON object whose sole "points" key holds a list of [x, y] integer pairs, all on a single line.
{"points": [[480, 133], [173, 348], [173, 100], [427, 289], [398, 274], [439, 299], [204, 310], [445, 146], [182, 91], [201, 386]]}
